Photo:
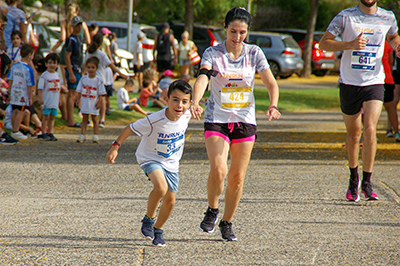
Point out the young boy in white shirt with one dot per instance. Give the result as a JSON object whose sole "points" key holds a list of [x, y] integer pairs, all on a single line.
{"points": [[158, 153], [14, 52], [123, 101], [49, 87], [22, 85]]}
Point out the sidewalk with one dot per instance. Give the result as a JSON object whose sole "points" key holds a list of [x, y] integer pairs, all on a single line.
{"points": [[63, 204]]}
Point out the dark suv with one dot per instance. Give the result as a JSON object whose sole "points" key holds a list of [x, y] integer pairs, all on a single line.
{"points": [[203, 36], [322, 61]]}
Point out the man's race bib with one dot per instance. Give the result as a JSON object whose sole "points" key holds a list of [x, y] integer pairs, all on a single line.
{"points": [[363, 60]]}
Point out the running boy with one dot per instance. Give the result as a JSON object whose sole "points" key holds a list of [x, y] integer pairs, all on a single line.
{"points": [[158, 154], [22, 85], [91, 91], [49, 88]]}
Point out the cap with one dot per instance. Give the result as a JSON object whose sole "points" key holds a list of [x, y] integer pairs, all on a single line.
{"points": [[165, 25], [140, 35], [105, 31], [168, 73], [76, 20]]}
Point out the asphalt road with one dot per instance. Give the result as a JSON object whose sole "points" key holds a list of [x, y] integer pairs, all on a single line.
{"points": [[63, 204]]}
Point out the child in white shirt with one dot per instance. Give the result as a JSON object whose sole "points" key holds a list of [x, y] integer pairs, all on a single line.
{"points": [[14, 52], [123, 101], [90, 91]]}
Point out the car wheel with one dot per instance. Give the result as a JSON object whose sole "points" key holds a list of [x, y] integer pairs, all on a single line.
{"points": [[320, 73], [274, 68], [285, 75]]}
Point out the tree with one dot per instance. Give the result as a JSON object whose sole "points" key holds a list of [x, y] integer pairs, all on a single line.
{"points": [[312, 18], [189, 19]]}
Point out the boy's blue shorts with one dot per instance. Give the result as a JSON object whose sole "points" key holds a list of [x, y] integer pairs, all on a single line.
{"points": [[171, 178], [50, 111]]}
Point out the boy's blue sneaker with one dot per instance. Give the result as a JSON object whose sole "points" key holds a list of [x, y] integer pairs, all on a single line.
{"points": [[148, 227], [158, 237]]}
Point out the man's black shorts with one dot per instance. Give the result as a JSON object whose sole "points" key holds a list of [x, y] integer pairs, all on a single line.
{"points": [[353, 97]]}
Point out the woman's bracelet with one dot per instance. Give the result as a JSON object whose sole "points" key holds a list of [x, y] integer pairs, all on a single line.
{"points": [[274, 107], [115, 143]]}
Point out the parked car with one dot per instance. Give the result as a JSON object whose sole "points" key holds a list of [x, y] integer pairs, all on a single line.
{"points": [[322, 61], [281, 50], [121, 29], [203, 36]]}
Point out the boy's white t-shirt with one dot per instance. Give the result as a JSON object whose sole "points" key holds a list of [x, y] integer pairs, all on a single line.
{"points": [[14, 53], [162, 139], [231, 91], [109, 77], [122, 98], [363, 67], [90, 89], [50, 83], [104, 62], [22, 76]]}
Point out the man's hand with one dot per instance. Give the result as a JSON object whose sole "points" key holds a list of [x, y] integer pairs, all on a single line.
{"points": [[359, 43]]}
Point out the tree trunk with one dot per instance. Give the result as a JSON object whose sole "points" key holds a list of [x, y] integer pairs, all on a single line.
{"points": [[312, 18], [189, 18]]}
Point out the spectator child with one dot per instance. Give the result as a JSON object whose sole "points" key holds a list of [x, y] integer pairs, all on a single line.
{"points": [[158, 154], [14, 51], [22, 85], [146, 98], [25, 123], [165, 81], [49, 87], [91, 91], [123, 101]]}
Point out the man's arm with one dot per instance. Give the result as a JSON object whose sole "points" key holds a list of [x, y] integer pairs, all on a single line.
{"points": [[154, 47], [328, 43], [394, 41]]}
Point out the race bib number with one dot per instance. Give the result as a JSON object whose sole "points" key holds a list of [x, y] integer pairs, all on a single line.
{"points": [[363, 60], [236, 97], [167, 147]]}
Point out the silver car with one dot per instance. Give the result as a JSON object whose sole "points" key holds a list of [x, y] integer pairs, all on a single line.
{"points": [[282, 51]]}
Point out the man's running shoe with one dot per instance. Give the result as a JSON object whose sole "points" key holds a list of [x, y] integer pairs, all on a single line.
{"points": [[368, 192], [147, 229], [101, 123], [209, 221], [95, 139], [52, 138], [352, 191], [158, 238], [397, 137], [226, 232], [389, 134], [5, 139], [44, 136]]}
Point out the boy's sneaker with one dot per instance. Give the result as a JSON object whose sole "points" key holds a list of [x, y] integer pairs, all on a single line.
{"points": [[369, 194], [397, 137], [81, 139], [226, 232], [158, 238], [148, 228], [44, 137], [389, 134], [18, 135], [209, 221], [34, 135], [95, 139], [52, 138], [352, 191], [5, 139], [101, 123]]}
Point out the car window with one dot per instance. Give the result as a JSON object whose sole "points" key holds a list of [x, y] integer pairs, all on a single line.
{"points": [[121, 32], [262, 41], [200, 36], [290, 43], [150, 33], [219, 35]]}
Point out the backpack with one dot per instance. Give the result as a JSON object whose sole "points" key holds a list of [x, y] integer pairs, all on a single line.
{"points": [[163, 45]]}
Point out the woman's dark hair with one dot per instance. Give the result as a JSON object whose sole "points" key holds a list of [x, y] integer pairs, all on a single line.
{"points": [[97, 41], [93, 60], [181, 85], [93, 26], [238, 13]]}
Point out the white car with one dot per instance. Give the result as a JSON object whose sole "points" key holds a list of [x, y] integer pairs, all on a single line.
{"points": [[121, 29]]}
